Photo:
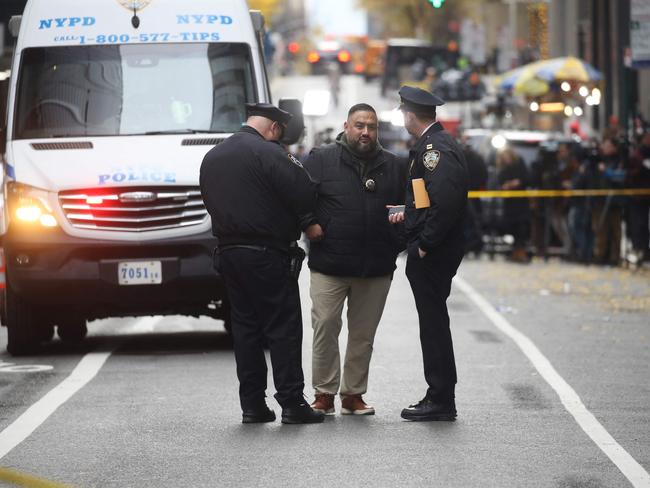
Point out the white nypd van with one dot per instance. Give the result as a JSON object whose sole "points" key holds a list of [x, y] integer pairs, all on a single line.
{"points": [[112, 106]]}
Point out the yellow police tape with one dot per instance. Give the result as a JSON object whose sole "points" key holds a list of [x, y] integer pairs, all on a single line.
{"points": [[20, 479], [557, 193]]}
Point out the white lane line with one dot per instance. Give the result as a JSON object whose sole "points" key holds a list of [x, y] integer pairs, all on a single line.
{"points": [[38, 413], [630, 468]]}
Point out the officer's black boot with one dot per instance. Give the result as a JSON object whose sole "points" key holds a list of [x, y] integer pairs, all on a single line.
{"points": [[301, 413], [431, 409], [257, 415]]}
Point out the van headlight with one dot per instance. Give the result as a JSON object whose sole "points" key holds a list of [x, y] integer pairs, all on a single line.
{"points": [[28, 205]]}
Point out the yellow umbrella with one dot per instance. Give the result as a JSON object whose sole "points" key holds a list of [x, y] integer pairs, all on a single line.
{"points": [[534, 79]]}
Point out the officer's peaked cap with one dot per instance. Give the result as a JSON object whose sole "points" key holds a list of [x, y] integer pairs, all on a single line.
{"points": [[418, 100], [268, 111]]}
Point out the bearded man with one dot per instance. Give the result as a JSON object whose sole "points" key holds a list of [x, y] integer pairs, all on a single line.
{"points": [[352, 255]]}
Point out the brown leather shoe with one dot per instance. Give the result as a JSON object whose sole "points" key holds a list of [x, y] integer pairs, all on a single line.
{"points": [[324, 403], [354, 405]]}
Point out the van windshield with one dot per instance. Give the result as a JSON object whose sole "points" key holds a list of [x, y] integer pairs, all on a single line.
{"points": [[133, 89]]}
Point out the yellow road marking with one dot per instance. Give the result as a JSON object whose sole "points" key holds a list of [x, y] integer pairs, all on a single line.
{"points": [[21, 479], [557, 193]]}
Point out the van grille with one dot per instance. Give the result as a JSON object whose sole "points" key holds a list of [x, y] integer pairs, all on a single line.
{"points": [[133, 209], [51, 146], [201, 142]]}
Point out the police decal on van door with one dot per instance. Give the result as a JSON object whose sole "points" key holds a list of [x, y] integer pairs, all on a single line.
{"points": [[123, 176]]}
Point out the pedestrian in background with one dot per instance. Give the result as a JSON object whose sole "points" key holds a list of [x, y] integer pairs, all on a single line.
{"points": [[513, 175], [607, 212], [436, 197], [567, 163], [301, 153], [580, 209], [255, 192], [639, 177], [352, 255], [478, 177], [552, 170]]}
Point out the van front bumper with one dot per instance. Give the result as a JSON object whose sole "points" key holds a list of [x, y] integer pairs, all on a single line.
{"points": [[51, 269]]}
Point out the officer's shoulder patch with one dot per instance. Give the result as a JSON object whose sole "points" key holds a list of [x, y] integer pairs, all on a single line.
{"points": [[294, 160], [431, 159]]}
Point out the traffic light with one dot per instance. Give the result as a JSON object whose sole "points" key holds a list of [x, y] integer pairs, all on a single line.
{"points": [[437, 3]]}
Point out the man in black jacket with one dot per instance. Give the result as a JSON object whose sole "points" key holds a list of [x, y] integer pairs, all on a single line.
{"points": [[254, 192], [352, 255], [436, 196]]}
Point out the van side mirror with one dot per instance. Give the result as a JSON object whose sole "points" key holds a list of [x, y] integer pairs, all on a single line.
{"points": [[258, 20], [296, 126], [14, 24]]}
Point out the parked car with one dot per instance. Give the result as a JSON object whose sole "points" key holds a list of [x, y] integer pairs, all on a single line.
{"points": [[327, 52], [458, 86], [408, 59]]}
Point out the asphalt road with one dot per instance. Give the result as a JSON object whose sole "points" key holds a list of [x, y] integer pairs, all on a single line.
{"points": [[162, 409]]}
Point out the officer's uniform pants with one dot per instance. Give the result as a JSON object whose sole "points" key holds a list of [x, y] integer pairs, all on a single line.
{"points": [[430, 279], [265, 304], [366, 299]]}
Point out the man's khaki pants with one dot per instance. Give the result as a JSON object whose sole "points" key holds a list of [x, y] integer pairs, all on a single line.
{"points": [[366, 299]]}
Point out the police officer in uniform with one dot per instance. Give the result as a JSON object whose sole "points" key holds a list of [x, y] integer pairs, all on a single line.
{"points": [[254, 191], [435, 244]]}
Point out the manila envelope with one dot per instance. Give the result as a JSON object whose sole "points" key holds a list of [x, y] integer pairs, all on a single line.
{"points": [[420, 193]]}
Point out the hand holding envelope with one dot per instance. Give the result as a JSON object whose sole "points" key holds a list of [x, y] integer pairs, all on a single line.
{"points": [[395, 213]]}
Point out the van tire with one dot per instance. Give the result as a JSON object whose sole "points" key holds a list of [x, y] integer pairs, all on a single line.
{"points": [[72, 330], [21, 330], [44, 333]]}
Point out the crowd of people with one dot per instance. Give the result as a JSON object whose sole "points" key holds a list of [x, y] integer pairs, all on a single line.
{"points": [[584, 228]]}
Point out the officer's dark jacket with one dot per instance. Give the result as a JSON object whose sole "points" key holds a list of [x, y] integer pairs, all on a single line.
{"points": [[359, 241], [439, 160], [254, 191]]}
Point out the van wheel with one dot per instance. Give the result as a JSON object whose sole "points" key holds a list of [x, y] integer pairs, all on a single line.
{"points": [[21, 331], [44, 333], [72, 331]]}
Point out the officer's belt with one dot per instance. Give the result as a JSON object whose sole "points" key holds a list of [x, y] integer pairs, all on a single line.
{"points": [[242, 246], [250, 247]]}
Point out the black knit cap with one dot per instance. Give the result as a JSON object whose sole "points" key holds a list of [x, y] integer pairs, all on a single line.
{"points": [[268, 111], [417, 100]]}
